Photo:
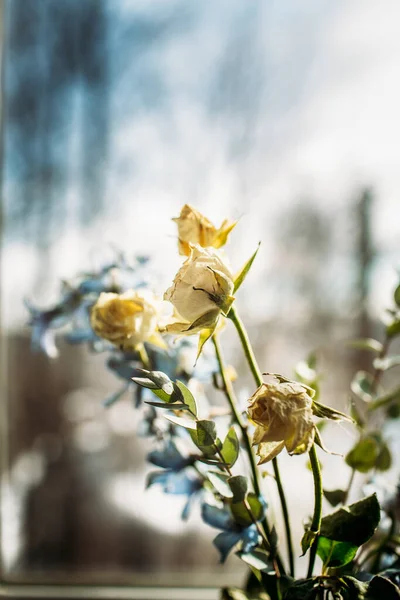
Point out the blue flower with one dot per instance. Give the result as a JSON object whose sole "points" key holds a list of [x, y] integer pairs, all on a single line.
{"points": [[232, 532]]}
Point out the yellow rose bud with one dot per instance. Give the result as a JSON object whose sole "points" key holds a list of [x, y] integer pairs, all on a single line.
{"points": [[127, 319], [201, 290], [283, 414], [195, 228]]}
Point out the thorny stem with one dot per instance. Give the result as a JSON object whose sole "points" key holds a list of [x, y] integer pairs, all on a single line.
{"points": [[252, 362], [318, 494], [230, 395]]}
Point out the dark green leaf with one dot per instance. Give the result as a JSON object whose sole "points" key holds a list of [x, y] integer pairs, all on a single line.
{"points": [[307, 540], [335, 497], [188, 397], [168, 406], [240, 277], [380, 588], [355, 523], [239, 486], [230, 447], [396, 295]]}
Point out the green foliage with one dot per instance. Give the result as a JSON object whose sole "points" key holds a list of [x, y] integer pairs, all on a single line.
{"points": [[370, 452], [241, 514], [205, 437], [367, 344], [363, 386], [240, 277], [238, 485], [343, 531], [335, 497], [230, 447], [220, 483]]}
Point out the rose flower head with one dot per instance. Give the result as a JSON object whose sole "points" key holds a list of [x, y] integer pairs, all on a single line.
{"points": [[127, 320], [201, 290], [283, 413], [195, 228]]}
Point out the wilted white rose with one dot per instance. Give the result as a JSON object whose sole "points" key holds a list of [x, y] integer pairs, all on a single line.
{"points": [[195, 228], [201, 290], [283, 413], [127, 319]]}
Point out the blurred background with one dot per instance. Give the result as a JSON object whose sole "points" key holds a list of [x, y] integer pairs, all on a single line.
{"points": [[118, 112]]}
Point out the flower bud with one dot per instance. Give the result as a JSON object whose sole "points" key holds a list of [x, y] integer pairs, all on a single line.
{"points": [[201, 290], [195, 228], [127, 319], [283, 414]]}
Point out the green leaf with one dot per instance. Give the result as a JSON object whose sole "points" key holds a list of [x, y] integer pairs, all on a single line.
{"points": [[220, 483], [384, 460], [168, 406], [240, 277], [206, 432], [380, 588], [325, 412], [335, 497], [355, 523], [334, 553], [383, 364], [258, 559], [230, 447], [367, 344], [239, 486], [393, 329], [204, 336], [241, 514], [363, 386], [189, 424], [160, 384], [307, 540], [392, 396], [188, 397], [233, 594], [396, 295], [364, 455]]}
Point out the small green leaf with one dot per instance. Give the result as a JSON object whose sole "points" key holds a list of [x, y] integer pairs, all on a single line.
{"points": [[258, 559], [220, 483], [168, 406], [241, 514], [307, 540], [189, 424], [240, 277], [214, 462], [325, 412], [367, 344], [206, 432], [230, 447], [364, 455], [239, 486], [363, 386], [393, 329], [188, 397], [204, 336], [384, 459], [383, 364], [335, 497], [396, 295]]}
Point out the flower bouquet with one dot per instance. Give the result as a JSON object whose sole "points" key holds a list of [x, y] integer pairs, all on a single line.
{"points": [[216, 458]]}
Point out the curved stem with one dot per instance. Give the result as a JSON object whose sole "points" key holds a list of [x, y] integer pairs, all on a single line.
{"points": [[230, 395], [318, 494], [252, 362]]}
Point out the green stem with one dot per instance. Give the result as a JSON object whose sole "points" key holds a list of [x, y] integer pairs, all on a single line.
{"points": [[230, 396], [318, 494], [252, 362]]}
